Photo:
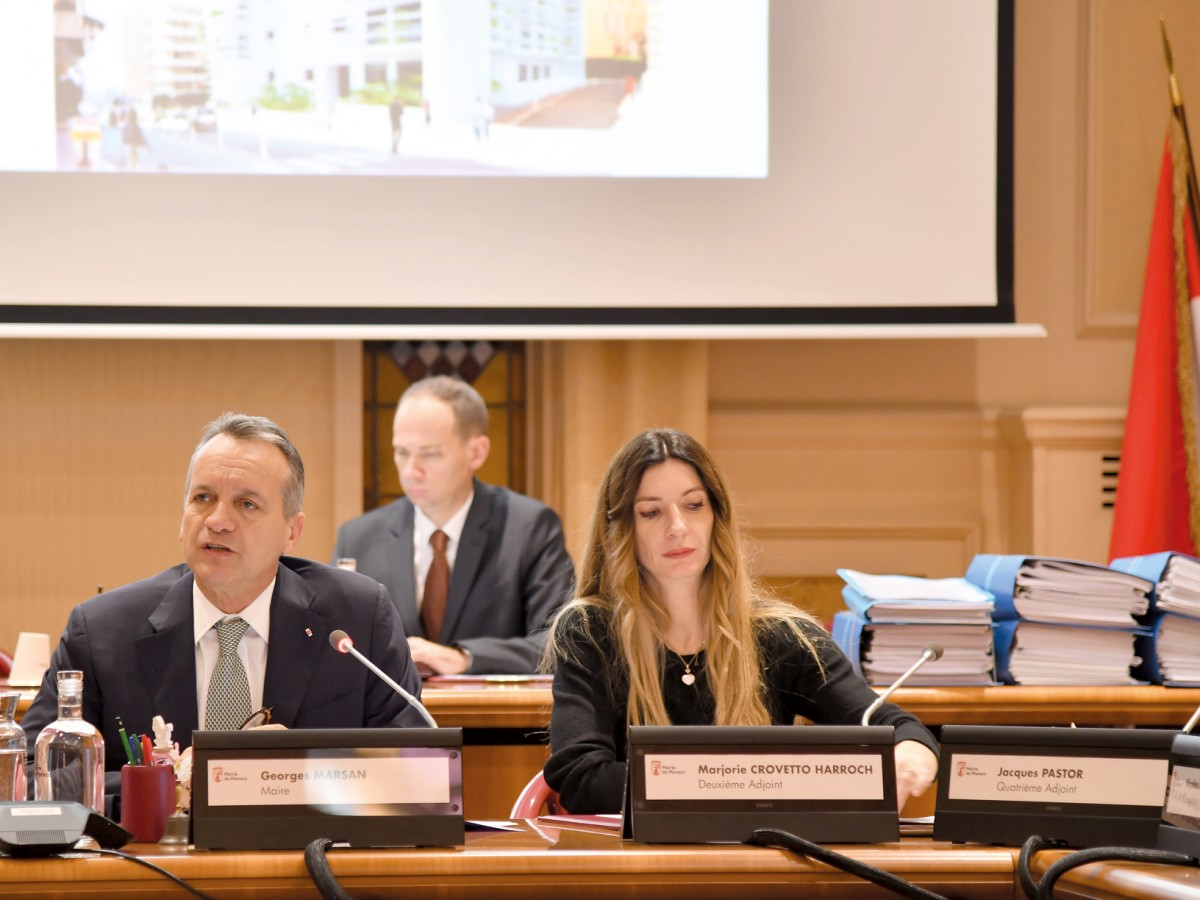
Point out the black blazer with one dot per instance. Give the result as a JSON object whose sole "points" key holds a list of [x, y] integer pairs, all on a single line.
{"points": [[511, 573], [136, 649]]}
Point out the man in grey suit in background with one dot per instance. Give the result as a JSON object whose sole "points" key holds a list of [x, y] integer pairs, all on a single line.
{"points": [[508, 565]]}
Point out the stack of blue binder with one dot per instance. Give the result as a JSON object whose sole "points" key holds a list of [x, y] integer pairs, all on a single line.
{"points": [[890, 619], [1170, 651], [1061, 621]]}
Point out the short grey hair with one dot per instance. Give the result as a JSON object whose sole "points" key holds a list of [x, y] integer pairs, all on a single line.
{"points": [[257, 428], [470, 410]]}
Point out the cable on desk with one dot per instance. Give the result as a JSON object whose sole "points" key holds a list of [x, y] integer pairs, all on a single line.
{"points": [[318, 869], [153, 868], [773, 837], [1032, 845], [1045, 890]]}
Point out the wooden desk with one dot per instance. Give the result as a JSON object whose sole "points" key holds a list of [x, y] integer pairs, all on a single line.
{"points": [[516, 706], [1113, 880], [504, 723], [503, 705], [531, 862], [1152, 705]]}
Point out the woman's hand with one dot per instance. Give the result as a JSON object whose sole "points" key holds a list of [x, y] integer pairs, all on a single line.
{"points": [[916, 770]]}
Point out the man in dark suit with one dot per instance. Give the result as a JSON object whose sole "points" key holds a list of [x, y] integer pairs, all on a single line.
{"points": [[508, 568], [152, 648]]}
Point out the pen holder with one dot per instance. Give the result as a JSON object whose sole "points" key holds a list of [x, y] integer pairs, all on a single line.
{"points": [[147, 800]]}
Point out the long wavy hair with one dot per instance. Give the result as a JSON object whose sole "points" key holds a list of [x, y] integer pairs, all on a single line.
{"points": [[612, 589]]}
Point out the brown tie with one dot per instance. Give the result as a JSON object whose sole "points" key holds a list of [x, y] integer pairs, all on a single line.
{"points": [[437, 587]]}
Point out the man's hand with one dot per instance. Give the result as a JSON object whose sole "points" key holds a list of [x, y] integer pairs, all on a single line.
{"points": [[438, 658]]}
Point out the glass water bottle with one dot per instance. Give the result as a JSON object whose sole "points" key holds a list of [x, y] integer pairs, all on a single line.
{"points": [[69, 753], [13, 785]]}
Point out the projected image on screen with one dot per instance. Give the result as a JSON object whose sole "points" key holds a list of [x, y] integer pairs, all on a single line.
{"points": [[403, 87]]}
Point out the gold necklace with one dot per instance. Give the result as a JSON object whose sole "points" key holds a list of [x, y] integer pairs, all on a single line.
{"points": [[687, 677]]}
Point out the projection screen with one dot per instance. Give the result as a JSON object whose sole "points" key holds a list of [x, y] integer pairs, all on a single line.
{"points": [[540, 168]]}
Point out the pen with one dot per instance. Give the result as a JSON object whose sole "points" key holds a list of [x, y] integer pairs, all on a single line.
{"points": [[124, 740], [134, 750], [147, 751]]}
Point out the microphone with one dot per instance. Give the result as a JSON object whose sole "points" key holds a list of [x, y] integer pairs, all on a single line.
{"points": [[342, 643], [1191, 723], [929, 654]]}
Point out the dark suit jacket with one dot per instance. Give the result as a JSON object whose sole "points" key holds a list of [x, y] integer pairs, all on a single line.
{"points": [[136, 649], [511, 573]]}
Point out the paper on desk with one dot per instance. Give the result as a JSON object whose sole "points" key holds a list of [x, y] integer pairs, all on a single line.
{"points": [[1177, 645], [909, 588], [1058, 590], [1051, 654], [1179, 589], [967, 653], [606, 823]]}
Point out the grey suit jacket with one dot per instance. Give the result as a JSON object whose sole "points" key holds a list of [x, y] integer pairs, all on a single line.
{"points": [[137, 651], [511, 573]]}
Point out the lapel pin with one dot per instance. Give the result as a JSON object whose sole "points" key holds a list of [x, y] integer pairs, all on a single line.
{"points": [[308, 631]]}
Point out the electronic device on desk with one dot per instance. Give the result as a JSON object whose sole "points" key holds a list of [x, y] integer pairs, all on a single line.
{"points": [[266, 789], [1180, 826], [697, 784], [1085, 787], [48, 827]]}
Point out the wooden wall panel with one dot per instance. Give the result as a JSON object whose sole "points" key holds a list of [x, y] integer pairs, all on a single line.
{"points": [[1067, 450], [94, 442], [871, 489], [1124, 110]]}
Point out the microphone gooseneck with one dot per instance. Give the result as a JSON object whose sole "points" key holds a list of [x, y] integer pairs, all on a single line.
{"points": [[1191, 723], [929, 654], [343, 643]]}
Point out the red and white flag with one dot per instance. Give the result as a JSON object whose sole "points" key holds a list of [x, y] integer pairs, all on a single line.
{"points": [[1158, 486]]}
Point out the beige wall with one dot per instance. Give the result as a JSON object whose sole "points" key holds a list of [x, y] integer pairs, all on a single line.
{"points": [[889, 455], [94, 442]]}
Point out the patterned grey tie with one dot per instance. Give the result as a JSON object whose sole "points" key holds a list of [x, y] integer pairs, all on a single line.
{"points": [[228, 690]]}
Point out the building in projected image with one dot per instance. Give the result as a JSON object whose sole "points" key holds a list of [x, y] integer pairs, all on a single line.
{"points": [[178, 55], [449, 53], [283, 85], [152, 55], [74, 30], [616, 29]]}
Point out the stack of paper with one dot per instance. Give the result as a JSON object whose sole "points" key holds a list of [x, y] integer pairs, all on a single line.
{"points": [[1063, 655], [1062, 621], [1052, 590], [1175, 576], [1179, 589], [888, 650], [1170, 649], [903, 598], [1177, 645], [1062, 591], [890, 619]]}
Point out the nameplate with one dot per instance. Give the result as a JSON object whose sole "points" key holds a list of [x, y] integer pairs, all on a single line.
{"points": [[1083, 786], [1180, 827], [372, 787], [366, 777], [720, 784], [752, 776], [1076, 779]]}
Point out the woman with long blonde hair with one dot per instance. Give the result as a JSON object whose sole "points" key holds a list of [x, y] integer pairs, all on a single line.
{"points": [[668, 627]]}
